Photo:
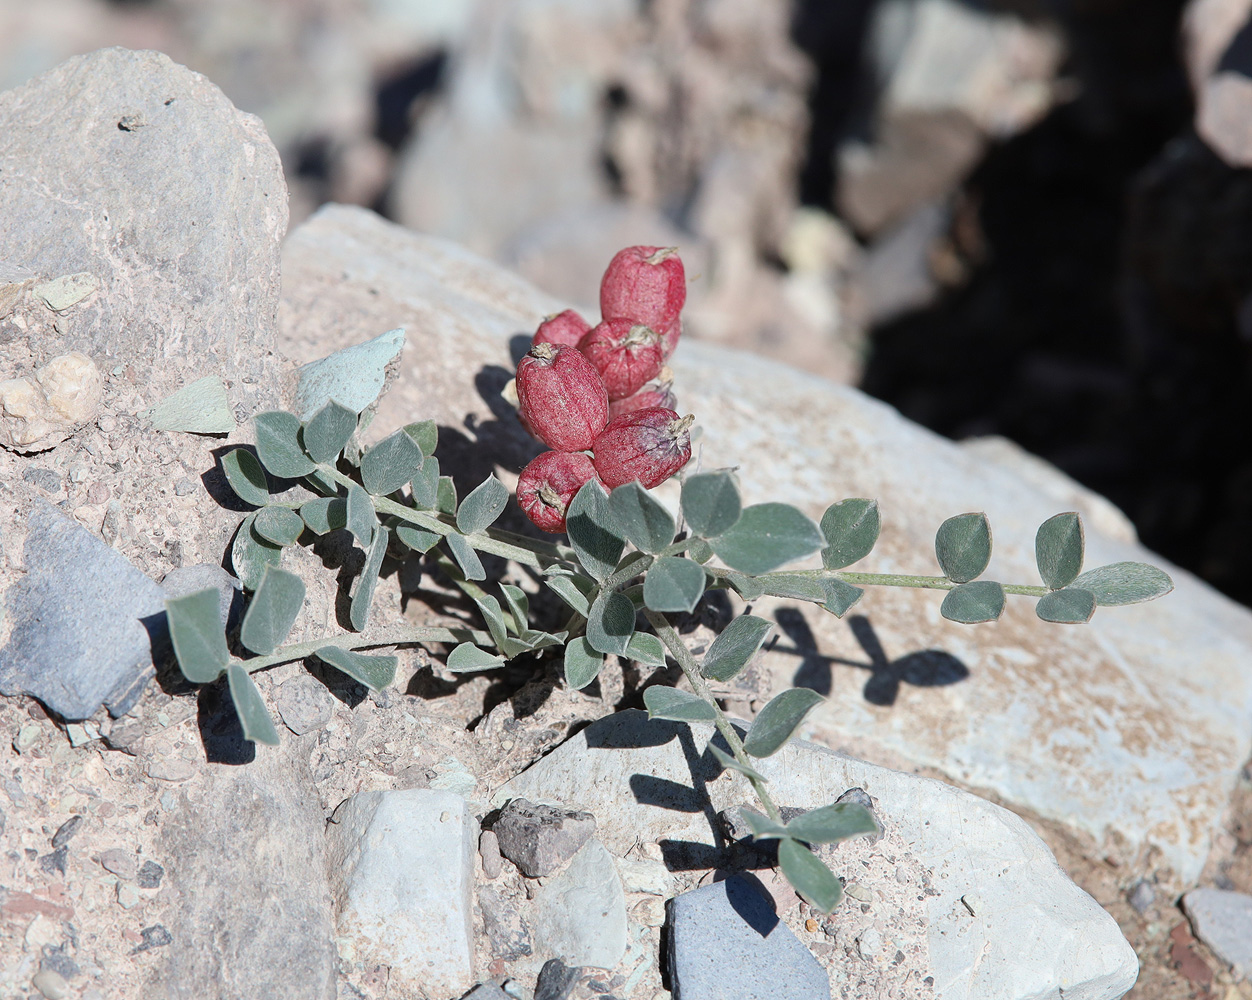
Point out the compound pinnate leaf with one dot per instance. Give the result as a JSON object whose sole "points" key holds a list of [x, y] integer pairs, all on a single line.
{"points": [[363, 596], [840, 596], [250, 554], [425, 434], [611, 623], [647, 649], [673, 584], [677, 706], [467, 658], [1059, 549], [1124, 583], [582, 663], [808, 876], [272, 611], [731, 651], [574, 590], [644, 522], [278, 445], [425, 485], [196, 630], [254, 718], [766, 536], [729, 762], [375, 672], [595, 536], [711, 503], [324, 514], [390, 464], [830, 824], [963, 546], [1067, 606], [485, 503], [850, 528], [466, 557], [418, 539], [327, 431], [973, 603], [246, 476], [360, 516], [780, 718], [280, 525]]}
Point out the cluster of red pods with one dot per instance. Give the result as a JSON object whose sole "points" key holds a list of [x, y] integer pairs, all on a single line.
{"points": [[600, 397]]}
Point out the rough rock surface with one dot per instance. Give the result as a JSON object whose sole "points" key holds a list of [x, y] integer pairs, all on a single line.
{"points": [[1223, 921], [1219, 64], [665, 788], [1129, 731], [539, 838], [402, 874]]}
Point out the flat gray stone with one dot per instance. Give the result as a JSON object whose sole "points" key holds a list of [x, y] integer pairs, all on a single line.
{"points": [[80, 618], [402, 875], [304, 704], [579, 915], [653, 781], [128, 149], [1223, 921], [250, 905], [727, 941], [540, 838]]}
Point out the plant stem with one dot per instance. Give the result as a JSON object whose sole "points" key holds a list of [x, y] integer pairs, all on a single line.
{"points": [[899, 580], [402, 636], [673, 642]]}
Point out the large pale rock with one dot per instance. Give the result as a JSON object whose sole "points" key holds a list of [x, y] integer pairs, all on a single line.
{"points": [[138, 173], [1033, 930], [1130, 730], [402, 874]]}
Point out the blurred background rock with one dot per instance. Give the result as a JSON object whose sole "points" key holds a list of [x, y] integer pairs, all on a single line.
{"points": [[1023, 218]]}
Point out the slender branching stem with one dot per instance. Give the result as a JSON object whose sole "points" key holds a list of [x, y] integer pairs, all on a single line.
{"points": [[353, 641], [896, 580], [673, 642]]}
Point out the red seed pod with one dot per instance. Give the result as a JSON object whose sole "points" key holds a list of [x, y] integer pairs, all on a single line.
{"points": [[648, 445], [658, 393], [562, 328], [627, 355], [560, 398], [548, 484], [647, 285]]}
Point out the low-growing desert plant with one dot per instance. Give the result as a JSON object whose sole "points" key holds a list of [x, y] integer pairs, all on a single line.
{"points": [[627, 558]]}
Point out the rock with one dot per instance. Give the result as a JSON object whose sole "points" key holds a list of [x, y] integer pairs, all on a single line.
{"points": [[579, 915], [402, 874], [128, 148], [508, 937], [556, 980], [128, 897], [80, 619], [489, 852], [980, 705], [173, 769], [487, 991], [155, 936], [726, 940], [304, 703], [41, 411], [184, 580], [249, 887], [120, 862], [65, 832], [1223, 921], [54, 862], [646, 875], [651, 779], [1142, 896], [1220, 68], [539, 839], [50, 984]]}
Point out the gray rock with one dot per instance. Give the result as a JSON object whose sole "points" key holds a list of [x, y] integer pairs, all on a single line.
{"points": [[508, 938], [65, 832], [250, 887], [726, 940], [579, 915], [556, 980], [1223, 921], [120, 862], [304, 704], [81, 619], [541, 838], [149, 875], [122, 148], [486, 991], [51, 984], [651, 783], [183, 580], [1142, 896], [402, 875], [489, 852], [45, 479]]}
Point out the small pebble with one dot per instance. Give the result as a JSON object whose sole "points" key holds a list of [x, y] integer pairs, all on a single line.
{"points": [[649, 912], [120, 862], [54, 862], [169, 801], [65, 832], [489, 850], [858, 892], [1142, 896], [127, 895], [184, 487], [27, 737], [51, 985], [79, 736], [171, 768], [155, 936], [868, 943], [149, 876], [902, 876], [811, 925]]}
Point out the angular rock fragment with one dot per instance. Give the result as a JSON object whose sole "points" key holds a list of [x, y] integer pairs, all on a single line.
{"points": [[541, 838]]}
